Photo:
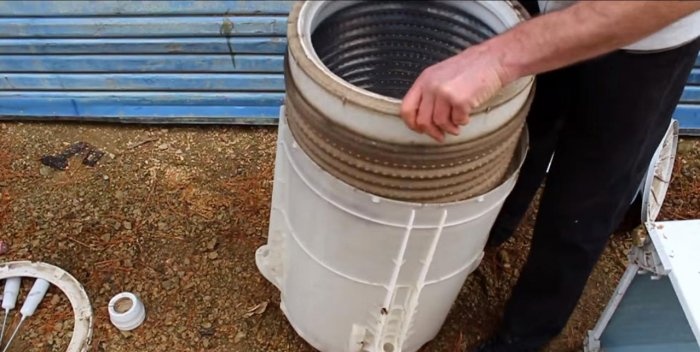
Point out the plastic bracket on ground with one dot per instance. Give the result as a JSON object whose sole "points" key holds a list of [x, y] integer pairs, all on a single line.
{"points": [[647, 258], [79, 300]]}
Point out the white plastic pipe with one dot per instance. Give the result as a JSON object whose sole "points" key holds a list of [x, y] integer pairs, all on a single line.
{"points": [[9, 296], [9, 299], [35, 296]]}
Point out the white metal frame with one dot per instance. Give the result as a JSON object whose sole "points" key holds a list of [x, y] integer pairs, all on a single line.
{"points": [[652, 256]]}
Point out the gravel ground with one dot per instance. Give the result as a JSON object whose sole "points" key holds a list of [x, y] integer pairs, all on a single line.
{"points": [[175, 214]]}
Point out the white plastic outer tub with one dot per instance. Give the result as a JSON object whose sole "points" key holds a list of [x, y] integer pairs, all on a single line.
{"points": [[362, 273]]}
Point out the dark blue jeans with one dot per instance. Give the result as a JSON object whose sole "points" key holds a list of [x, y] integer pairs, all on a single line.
{"points": [[602, 119]]}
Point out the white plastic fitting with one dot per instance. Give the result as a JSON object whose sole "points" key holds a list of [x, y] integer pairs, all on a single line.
{"points": [[9, 297], [126, 311], [34, 298]]}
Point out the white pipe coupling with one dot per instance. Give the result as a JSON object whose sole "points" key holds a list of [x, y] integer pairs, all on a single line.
{"points": [[126, 311]]}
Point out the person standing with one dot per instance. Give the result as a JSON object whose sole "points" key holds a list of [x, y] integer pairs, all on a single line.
{"points": [[609, 75]]}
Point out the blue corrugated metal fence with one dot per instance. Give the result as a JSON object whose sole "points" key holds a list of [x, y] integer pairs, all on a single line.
{"points": [[143, 61], [160, 62]]}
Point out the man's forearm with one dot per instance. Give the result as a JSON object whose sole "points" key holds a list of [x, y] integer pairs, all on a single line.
{"points": [[584, 30]]}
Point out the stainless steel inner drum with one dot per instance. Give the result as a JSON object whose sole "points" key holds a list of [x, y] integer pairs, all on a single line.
{"points": [[383, 46], [349, 64]]}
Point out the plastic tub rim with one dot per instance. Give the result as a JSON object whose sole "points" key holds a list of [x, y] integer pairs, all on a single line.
{"points": [[515, 168], [650, 209], [299, 29]]}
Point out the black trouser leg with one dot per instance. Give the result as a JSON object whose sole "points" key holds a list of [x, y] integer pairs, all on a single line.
{"points": [[623, 106], [552, 100]]}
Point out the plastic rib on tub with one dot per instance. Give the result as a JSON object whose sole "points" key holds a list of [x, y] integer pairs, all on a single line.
{"points": [[374, 228]]}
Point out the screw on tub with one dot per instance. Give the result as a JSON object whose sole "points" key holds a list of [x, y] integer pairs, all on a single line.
{"points": [[9, 299], [126, 311], [35, 296]]}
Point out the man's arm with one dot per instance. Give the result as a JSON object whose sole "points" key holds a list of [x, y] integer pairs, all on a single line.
{"points": [[444, 95], [585, 30]]}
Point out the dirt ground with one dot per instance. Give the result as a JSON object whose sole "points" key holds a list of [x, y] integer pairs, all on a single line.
{"points": [[174, 214]]}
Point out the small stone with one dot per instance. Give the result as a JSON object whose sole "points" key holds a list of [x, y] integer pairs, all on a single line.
{"points": [[186, 261], [105, 177], [119, 194], [127, 225], [128, 263], [211, 245], [239, 336], [206, 325], [106, 237], [4, 247], [44, 170], [170, 284], [167, 285], [55, 299], [504, 258], [213, 255], [206, 343], [164, 146], [162, 226], [685, 146], [126, 334]]}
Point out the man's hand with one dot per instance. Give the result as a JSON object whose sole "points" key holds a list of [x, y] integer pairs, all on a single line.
{"points": [[445, 94]]}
